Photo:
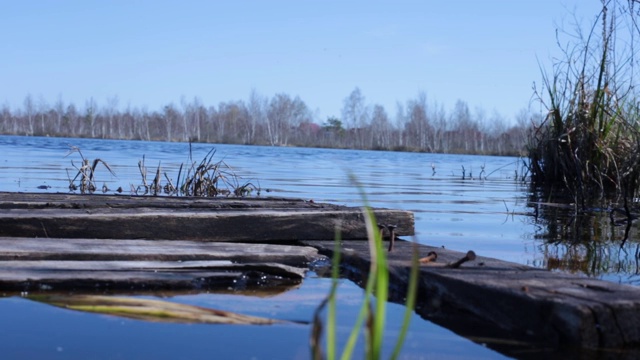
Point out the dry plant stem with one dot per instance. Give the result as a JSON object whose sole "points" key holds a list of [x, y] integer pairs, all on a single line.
{"points": [[86, 172], [431, 256], [468, 257]]}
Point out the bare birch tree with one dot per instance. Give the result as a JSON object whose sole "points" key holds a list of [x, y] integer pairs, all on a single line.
{"points": [[354, 115], [418, 128], [91, 112], [58, 109], [29, 109], [380, 128], [257, 111], [110, 113], [7, 125], [279, 117], [170, 118]]}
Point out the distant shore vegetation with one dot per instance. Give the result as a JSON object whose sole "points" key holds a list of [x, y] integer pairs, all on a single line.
{"points": [[282, 120]]}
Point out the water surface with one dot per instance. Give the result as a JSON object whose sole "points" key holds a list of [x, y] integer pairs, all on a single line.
{"points": [[460, 202]]}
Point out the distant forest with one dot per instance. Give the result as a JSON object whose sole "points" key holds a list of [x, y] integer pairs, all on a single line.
{"points": [[282, 120]]}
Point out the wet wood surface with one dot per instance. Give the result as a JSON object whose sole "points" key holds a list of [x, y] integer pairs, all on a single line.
{"points": [[522, 302], [105, 275], [15, 248], [28, 264], [179, 218]]}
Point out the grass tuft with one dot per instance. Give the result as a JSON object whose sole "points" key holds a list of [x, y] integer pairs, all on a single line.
{"points": [[589, 141], [208, 178], [85, 179]]}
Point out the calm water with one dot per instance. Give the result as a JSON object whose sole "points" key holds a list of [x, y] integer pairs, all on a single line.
{"points": [[488, 211], [457, 213]]}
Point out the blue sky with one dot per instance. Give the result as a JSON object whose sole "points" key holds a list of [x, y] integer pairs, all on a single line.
{"points": [[152, 53]]}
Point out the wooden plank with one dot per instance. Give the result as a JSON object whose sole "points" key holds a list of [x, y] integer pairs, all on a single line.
{"points": [[526, 303], [12, 248], [13, 269], [19, 200], [161, 291], [211, 219], [28, 264], [46, 275]]}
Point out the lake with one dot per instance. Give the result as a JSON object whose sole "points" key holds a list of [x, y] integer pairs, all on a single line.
{"points": [[461, 202]]}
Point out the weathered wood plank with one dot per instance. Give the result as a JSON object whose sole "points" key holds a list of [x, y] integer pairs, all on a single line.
{"points": [[12, 248], [14, 270], [13, 200], [217, 219], [28, 264], [527, 303], [205, 275]]}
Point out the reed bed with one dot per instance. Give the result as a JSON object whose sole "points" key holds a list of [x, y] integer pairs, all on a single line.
{"points": [[210, 178], [207, 178], [587, 149]]}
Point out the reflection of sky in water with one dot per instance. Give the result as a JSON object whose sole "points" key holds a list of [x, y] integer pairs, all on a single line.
{"points": [[68, 334]]}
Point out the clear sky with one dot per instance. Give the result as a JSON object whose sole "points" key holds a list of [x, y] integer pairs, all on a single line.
{"points": [[152, 53]]}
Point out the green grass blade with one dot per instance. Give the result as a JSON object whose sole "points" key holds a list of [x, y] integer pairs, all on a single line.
{"points": [[379, 267], [412, 293], [332, 312], [362, 315]]}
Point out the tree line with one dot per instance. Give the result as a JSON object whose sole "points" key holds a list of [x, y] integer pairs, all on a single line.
{"points": [[281, 120]]}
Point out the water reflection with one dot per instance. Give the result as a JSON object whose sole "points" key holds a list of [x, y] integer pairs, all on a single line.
{"points": [[596, 243], [32, 330]]}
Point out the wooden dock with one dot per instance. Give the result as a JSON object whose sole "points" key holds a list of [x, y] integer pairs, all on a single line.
{"points": [[111, 243], [488, 297], [180, 218], [61, 242], [32, 265]]}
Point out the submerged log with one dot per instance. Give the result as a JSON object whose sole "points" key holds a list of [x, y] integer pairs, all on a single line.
{"points": [[512, 300], [210, 219]]}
